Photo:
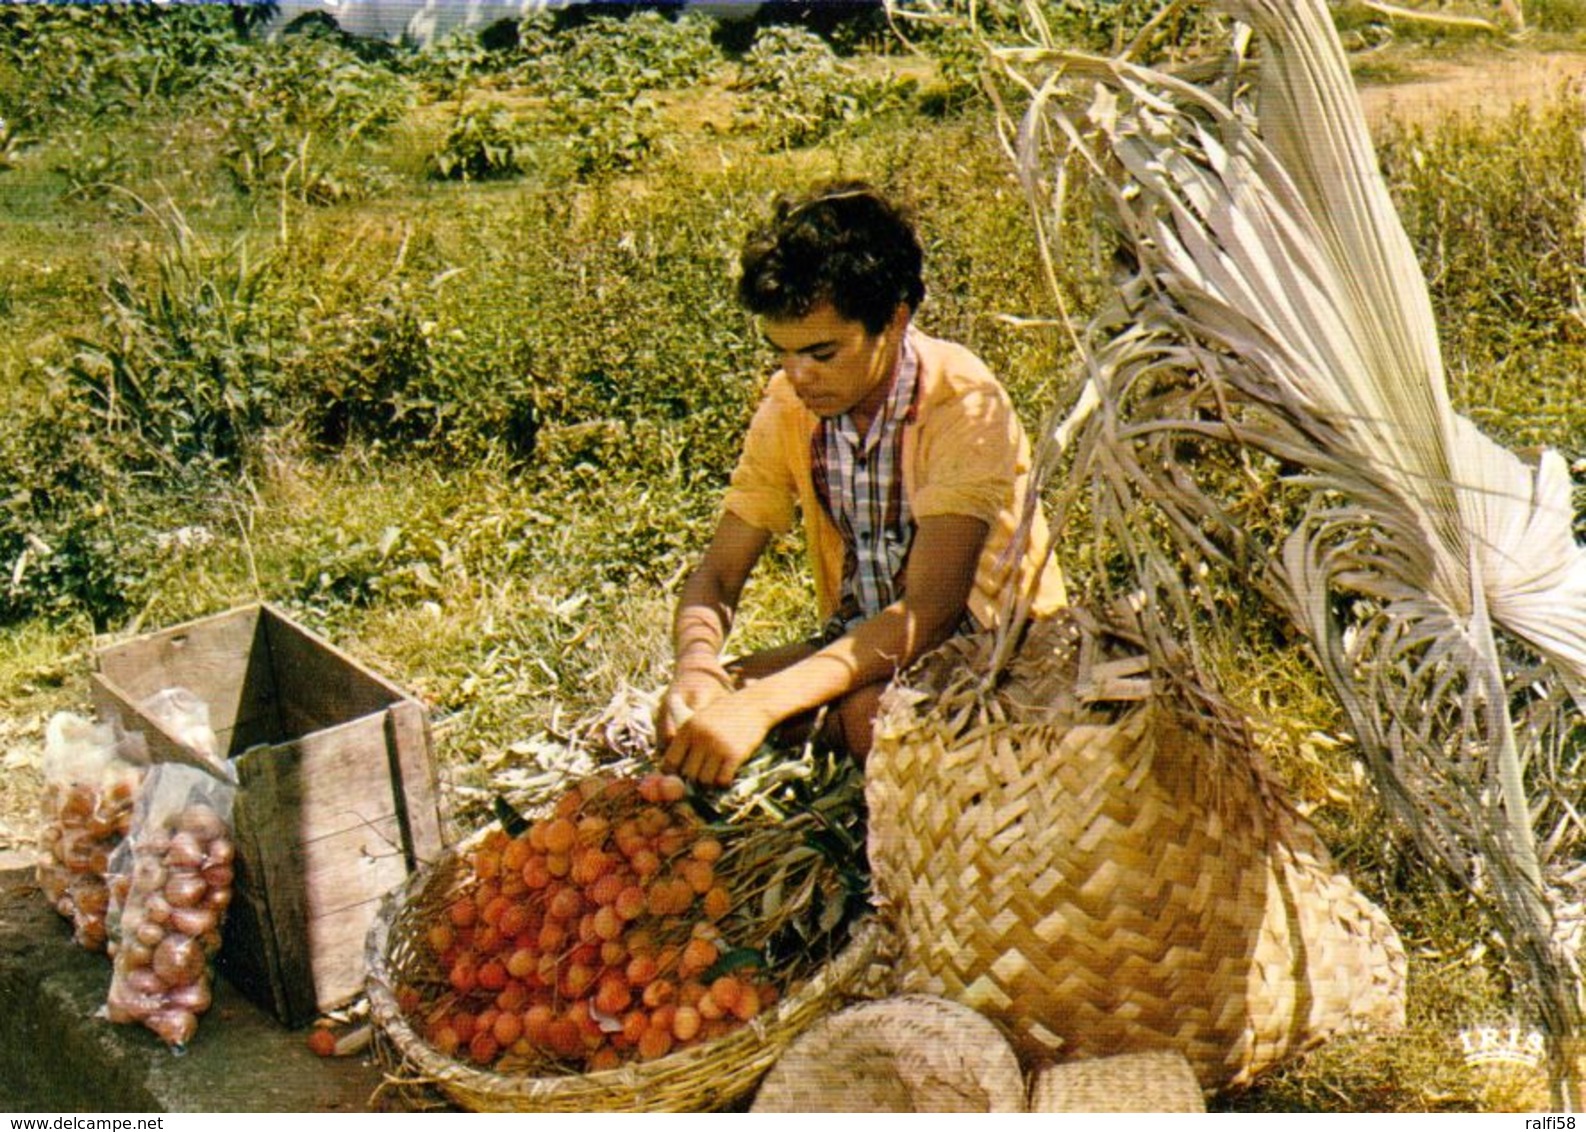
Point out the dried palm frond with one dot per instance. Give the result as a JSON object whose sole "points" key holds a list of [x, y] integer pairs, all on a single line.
{"points": [[1271, 304]]}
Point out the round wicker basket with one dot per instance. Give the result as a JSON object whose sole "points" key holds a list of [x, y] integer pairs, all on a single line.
{"points": [[1103, 870], [699, 1078], [1129, 1082], [910, 1053]]}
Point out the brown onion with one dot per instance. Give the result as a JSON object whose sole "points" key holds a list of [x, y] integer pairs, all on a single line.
{"points": [[79, 802], [219, 899], [125, 1006], [175, 1027], [148, 873], [185, 890], [194, 921], [92, 934], [93, 899], [136, 953], [219, 876], [178, 959], [185, 851], [157, 908], [194, 996], [202, 822], [76, 851], [143, 981], [220, 851], [149, 934]]}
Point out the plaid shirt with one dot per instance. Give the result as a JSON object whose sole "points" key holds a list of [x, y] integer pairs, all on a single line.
{"points": [[859, 482]]}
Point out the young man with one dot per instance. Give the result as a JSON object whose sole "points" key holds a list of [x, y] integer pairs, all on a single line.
{"points": [[907, 462]]}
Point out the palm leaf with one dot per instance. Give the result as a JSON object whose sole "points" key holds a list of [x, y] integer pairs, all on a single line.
{"points": [[1273, 304]]}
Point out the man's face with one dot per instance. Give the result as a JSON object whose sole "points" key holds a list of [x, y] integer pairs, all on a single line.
{"points": [[835, 365]]}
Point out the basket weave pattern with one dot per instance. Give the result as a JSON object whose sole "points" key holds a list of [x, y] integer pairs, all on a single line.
{"points": [[1105, 879], [697, 1078], [910, 1053]]}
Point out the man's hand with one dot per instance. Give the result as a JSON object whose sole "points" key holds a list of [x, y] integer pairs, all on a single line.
{"points": [[716, 740], [694, 686]]}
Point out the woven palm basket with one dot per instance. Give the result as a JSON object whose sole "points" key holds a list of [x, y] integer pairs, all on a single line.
{"points": [[1103, 870], [909, 1053], [698, 1078], [1130, 1082]]}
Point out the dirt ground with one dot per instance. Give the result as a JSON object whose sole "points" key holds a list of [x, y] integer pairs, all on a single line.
{"points": [[1489, 87]]}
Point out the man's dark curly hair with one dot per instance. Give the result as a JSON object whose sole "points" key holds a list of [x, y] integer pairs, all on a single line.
{"points": [[842, 243]]}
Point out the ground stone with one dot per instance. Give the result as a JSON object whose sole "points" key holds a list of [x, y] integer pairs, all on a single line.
{"points": [[56, 1056]]}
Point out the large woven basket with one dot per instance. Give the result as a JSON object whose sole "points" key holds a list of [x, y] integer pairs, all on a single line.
{"points": [[699, 1078], [1102, 870]]}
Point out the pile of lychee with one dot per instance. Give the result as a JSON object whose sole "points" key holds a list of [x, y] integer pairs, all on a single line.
{"points": [[592, 938]]}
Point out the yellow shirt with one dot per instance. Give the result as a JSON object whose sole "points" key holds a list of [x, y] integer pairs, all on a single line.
{"points": [[964, 453]]}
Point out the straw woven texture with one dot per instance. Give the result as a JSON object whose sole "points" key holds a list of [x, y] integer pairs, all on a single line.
{"points": [[911, 1053], [698, 1078], [1103, 871], [1130, 1082]]}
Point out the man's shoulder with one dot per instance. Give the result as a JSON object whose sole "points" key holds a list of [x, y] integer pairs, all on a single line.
{"points": [[952, 370], [778, 397]]}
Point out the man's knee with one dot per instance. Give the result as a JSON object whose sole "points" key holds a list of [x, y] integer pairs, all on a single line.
{"points": [[855, 718]]}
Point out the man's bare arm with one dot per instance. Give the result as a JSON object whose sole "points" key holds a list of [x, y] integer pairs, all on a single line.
{"points": [[940, 574], [705, 611]]}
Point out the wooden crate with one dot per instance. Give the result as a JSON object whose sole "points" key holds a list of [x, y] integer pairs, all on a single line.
{"points": [[337, 801]]}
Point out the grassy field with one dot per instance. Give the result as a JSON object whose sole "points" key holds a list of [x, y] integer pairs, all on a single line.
{"points": [[439, 352]]}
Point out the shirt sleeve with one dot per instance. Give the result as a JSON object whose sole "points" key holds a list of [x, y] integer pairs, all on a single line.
{"points": [[970, 457], [762, 491]]}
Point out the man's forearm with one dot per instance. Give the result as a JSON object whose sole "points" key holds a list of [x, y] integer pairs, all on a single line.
{"points": [[871, 652], [704, 617]]}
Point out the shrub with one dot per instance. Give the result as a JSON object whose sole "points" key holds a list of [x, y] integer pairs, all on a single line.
{"points": [[66, 62], [612, 58], [91, 164], [1557, 15], [802, 92], [484, 143], [295, 114], [365, 375], [185, 361], [70, 515], [607, 135]]}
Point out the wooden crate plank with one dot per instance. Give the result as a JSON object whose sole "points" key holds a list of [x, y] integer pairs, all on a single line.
{"points": [[342, 780], [221, 659], [266, 819], [246, 960], [319, 686], [114, 707], [412, 770], [351, 867], [336, 941]]}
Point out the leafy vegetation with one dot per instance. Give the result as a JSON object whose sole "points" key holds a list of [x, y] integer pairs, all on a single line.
{"points": [[806, 92], [484, 143], [439, 350]]}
